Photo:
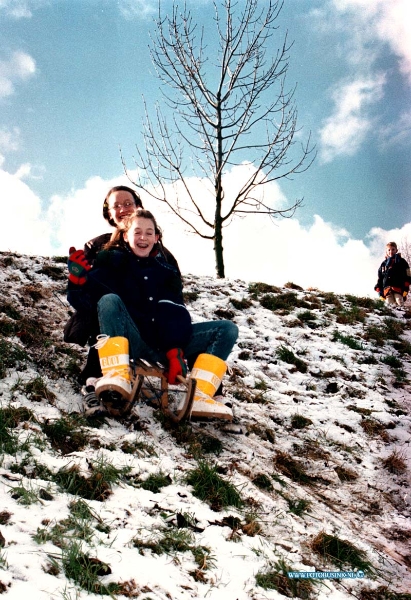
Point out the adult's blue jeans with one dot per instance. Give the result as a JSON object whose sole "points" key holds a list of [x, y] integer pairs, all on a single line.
{"points": [[209, 337]]}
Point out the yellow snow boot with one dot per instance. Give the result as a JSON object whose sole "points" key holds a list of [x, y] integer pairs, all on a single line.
{"points": [[208, 371], [114, 388]]}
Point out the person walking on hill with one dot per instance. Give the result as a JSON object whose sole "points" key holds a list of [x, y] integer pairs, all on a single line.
{"points": [[394, 277]]}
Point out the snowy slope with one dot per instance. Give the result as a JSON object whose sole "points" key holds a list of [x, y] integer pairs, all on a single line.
{"points": [[320, 445]]}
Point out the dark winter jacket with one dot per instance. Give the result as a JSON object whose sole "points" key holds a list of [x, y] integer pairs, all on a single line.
{"points": [[393, 275], [150, 288]]}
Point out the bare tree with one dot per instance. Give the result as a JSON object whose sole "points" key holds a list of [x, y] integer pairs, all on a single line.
{"points": [[229, 105]]}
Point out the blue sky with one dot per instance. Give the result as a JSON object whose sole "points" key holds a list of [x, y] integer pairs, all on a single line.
{"points": [[72, 77]]}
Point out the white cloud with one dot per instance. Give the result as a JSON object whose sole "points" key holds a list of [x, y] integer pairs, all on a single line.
{"points": [[345, 130], [397, 133], [20, 66], [255, 248], [9, 139], [385, 20], [20, 9], [131, 9], [22, 228]]}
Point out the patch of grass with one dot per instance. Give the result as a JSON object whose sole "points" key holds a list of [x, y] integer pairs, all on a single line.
{"points": [[55, 273], [31, 332], [347, 340], [155, 482], [298, 506], [300, 422], [98, 486], [261, 385], [24, 495], [369, 359], [392, 361], [85, 570], [293, 286], [11, 357], [263, 482], [330, 298], [361, 411], [286, 302], [36, 389], [401, 377], [210, 487], [403, 347], [350, 316], [341, 553], [65, 434], [30, 468], [291, 468], [242, 304], [274, 577], [139, 447], [364, 302], [60, 259], [381, 593], [190, 296], [392, 329], [204, 560], [9, 443], [289, 357], [256, 289], [395, 463], [306, 316], [374, 428], [345, 474], [169, 541], [8, 309]]}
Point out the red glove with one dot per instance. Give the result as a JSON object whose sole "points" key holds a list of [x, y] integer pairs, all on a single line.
{"points": [[176, 364], [77, 266]]}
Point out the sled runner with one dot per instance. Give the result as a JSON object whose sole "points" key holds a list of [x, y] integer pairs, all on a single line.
{"points": [[150, 382]]}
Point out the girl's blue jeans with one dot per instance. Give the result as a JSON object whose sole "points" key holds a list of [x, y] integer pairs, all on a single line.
{"points": [[210, 337]]}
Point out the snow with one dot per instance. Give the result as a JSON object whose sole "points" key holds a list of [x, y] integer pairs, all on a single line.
{"points": [[372, 511]]}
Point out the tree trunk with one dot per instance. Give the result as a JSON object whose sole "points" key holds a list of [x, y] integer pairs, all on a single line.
{"points": [[218, 244]]}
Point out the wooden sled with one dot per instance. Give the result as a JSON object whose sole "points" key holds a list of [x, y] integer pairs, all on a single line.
{"points": [[176, 403], [183, 394]]}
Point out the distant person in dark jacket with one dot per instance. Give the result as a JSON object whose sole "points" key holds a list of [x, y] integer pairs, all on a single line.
{"points": [[394, 277], [141, 313]]}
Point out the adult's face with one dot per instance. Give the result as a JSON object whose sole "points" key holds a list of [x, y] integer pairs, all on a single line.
{"points": [[121, 204]]}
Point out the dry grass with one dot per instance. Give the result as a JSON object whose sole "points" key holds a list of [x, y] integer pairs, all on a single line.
{"points": [[395, 463]]}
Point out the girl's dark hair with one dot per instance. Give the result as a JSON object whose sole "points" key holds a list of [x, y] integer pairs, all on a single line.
{"points": [[117, 237], [119, 188]]}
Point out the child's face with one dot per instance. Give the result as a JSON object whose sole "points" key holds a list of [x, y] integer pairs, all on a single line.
{"points": [[391, 251], [141, 236]]}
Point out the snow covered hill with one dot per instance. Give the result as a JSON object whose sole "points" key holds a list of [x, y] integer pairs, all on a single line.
{"points": [[313, 475]]}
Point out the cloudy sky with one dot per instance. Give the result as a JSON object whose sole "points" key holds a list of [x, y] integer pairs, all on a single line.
{"points": [[73, 76]]}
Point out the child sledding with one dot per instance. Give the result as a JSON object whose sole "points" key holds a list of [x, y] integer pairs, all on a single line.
{"points": [[138, 298]]}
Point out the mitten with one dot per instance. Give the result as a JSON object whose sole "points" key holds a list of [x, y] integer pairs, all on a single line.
{"points": [[77, 266], [176, 364]]}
